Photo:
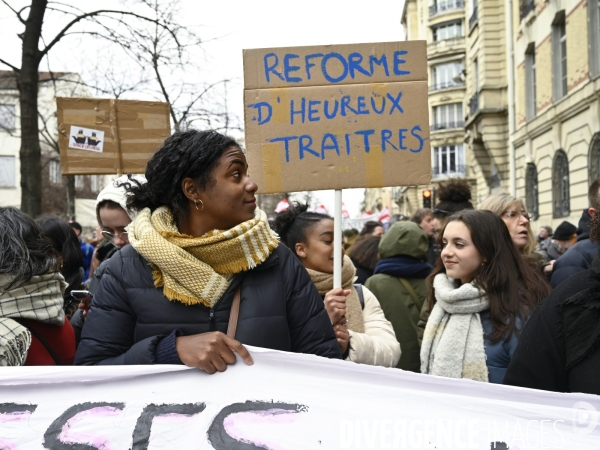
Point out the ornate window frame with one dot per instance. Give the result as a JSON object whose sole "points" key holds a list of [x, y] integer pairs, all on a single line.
{"points": [[594, 159], [561, 199], [531, 191]]}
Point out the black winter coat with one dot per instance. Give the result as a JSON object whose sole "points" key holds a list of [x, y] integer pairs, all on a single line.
{"points": [[577, 258], [77, 320], [559, 349], [280, 309]]}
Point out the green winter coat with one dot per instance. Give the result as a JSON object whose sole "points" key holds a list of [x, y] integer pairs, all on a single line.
{"points": [[402, 239]]}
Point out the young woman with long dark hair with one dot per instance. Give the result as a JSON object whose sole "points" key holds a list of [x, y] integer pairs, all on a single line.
{"points": [[363, 333], [481, 293]]}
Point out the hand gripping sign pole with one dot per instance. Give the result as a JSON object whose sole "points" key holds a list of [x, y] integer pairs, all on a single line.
{"points": [[337, 240]]}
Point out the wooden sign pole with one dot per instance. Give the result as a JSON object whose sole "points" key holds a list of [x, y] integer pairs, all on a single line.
{"points": [[337, 240]]}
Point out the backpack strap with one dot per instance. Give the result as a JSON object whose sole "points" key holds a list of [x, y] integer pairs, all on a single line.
{"points": [[361, 295], [412, 293]]}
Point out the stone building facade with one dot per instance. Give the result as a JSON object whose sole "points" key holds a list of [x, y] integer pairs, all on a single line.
{"points": [[467, 93], [557, 137], [529, 83]]}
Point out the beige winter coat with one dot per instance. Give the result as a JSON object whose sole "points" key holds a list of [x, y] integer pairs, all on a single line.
{"points": [[377, 346]]}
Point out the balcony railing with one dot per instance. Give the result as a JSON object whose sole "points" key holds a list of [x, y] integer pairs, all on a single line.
{"points": [[445, 6], [457, 169], [473, 19], [445, 85], [526, 7], [448, 125], [474, 104], [453, 45]]}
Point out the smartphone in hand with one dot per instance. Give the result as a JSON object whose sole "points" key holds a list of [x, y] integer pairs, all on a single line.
{"points": [[85, 300]]}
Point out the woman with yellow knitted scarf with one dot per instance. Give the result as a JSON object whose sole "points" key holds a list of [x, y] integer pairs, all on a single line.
{"points": [[197, 242], [364, 334]]}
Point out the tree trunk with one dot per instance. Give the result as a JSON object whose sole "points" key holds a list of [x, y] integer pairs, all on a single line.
{"points": [[70, 197], [30, 153]]}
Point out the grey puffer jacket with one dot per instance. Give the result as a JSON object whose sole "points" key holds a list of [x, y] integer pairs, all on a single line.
{"points": [[280, 309]]}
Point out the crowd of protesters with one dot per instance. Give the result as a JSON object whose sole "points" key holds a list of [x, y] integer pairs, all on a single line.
{"points": [[185, 269]]}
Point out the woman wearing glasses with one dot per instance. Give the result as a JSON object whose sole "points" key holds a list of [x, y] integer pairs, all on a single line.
{"points": [[514, 214], [113, 219]]}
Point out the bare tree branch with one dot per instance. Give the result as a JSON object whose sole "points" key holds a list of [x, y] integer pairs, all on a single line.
{"points": [[17, 13], [16, 69], [99, 12]]}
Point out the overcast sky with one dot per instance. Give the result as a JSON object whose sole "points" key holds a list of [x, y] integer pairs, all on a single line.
{"points": [[229, 26]]}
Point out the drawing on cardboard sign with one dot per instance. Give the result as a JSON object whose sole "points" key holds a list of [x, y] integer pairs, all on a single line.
{"points": [[86, 139]]}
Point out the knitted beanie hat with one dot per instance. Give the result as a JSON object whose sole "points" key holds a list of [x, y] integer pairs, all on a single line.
{"points": [[564, 231], [116, 192]]}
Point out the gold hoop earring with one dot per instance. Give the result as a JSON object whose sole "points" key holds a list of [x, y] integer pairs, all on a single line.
{"points": [[196, 200]]}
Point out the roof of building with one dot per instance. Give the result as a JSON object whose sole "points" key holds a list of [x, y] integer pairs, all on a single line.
{"points": [[8, 78]]}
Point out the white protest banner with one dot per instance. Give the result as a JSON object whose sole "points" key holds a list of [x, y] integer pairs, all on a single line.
{"points": [[283, 401]]}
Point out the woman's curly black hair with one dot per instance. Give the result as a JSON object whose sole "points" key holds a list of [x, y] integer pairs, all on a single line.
{"points": [[454, 195], [192, 154], [293, 224], [24, 250]]}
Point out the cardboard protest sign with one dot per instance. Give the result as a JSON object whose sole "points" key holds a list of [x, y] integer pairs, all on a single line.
{"points": [[335, 117], [104, 136], [283, 401]]}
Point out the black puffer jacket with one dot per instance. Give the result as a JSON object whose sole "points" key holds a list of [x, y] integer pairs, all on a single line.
{"points": [[577, 258], [280, 309], [559, 349]]}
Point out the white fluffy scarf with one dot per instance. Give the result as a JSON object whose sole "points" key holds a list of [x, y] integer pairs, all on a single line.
{"points": [[453, 341]]}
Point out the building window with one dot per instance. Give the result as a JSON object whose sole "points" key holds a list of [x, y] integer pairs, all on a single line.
{"points": [[447, 30], [594, 159], [559, 57], [78, 181], [473, 16], [561, 206], [54, 172], [531, 191], [442, 6], [526, 6], [448, 116], [447, 75], [7, 171], [7, 117], [95, 183], [448, 160], [594, 30], [530, 85]]}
